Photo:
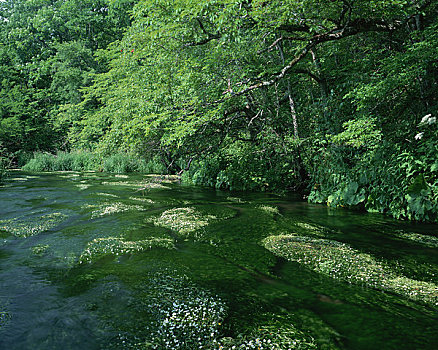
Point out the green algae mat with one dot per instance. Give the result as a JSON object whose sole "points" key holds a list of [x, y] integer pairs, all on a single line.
{"points": [[100, 261]]}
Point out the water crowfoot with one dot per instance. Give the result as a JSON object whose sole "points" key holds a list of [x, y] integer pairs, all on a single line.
{"points": [[117, 246], [341, 261]]}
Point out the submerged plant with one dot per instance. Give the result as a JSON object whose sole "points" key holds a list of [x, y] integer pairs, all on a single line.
{"points": [[186, 316], [107, 195], [269, 209], [40, 249], [428, 241], [142, 199], [30, 226], [4, 317], [278, 334], [341, 261], [183, 220], [112, 208], [117, 246]]}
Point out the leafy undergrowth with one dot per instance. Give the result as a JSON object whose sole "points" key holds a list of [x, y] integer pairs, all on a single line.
{"points": [[31, 225], [117, 246], [341, 261]]}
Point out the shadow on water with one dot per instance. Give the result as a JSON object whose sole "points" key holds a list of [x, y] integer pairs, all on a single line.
{"points": [[96, 261]]}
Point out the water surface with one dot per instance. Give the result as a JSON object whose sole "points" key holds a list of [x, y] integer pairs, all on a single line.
{"points": [[97, 261]]}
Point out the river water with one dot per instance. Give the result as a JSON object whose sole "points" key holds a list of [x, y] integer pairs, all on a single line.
{"points": [[99, 261]]}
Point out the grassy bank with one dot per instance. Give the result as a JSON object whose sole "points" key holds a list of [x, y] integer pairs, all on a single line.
{"points": [[89, 161]]}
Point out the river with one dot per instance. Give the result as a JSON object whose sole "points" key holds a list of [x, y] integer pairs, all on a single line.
{"points": [[101, 261]]}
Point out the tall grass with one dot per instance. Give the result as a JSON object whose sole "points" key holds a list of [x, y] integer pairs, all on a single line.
{"points": [[88, 161]]}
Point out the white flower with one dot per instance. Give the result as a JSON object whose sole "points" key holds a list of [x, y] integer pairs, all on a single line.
{"points": [[428, 119], [419, 136]]}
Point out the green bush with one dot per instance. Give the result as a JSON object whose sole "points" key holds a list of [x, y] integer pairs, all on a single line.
{"points": [[243, 166], [397, 178]]}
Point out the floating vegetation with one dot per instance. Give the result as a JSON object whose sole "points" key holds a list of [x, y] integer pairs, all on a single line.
{"points": [[17, 179], [428, 241], [112, 208], [69, 176], [107, 195], [186, 316], [183, 220], [236, 200], [117, 246], [40, 249], [153, 186], [142, 199], [123, 183], [30, 226], [278, 334], [269, 209], [341, 261]]}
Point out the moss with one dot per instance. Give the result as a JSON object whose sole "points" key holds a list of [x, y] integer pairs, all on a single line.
{"points": [[30, 226], [341, 261], [117, 246]]}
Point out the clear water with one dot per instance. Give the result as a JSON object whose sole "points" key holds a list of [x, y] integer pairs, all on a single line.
{"points": [[55, 296]]}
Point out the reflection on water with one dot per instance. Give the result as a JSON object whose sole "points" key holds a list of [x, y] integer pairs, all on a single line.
{"points": [[98, 261]]}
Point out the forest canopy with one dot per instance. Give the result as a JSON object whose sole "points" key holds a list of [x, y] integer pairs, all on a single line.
{"points": [[336, 99]]}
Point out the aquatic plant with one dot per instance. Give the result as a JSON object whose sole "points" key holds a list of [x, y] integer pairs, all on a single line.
{"points": [[428, 241], [186, 316], [83, 186], [276, 335], [341, 261], [4, 317], [40, 249], [142, 199], [134, 184], [236, 200], [27, 226], [313, 229], [117, 246], [112, 208], [107, 195], [269, 209], [182, 220], [153, 186]]}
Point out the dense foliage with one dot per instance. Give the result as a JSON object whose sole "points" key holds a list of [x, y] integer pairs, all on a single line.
{"points": [[338, 98]]}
